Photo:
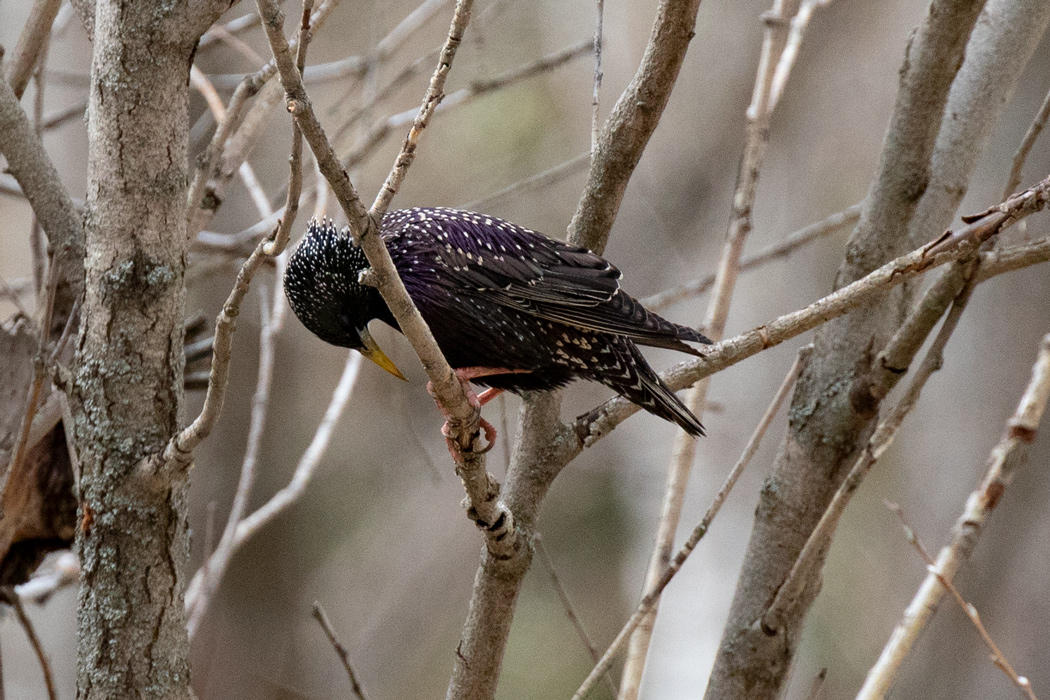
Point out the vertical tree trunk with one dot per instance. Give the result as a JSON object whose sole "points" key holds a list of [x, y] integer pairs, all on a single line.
{"points": [[128, 385]]}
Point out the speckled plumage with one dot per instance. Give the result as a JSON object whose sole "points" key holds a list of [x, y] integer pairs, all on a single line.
{"points": [[494, 295]]}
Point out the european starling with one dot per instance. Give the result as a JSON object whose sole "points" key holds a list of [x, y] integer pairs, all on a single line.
{"points": [[510, 308]]}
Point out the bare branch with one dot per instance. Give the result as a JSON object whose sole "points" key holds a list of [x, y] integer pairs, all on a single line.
{"points": [[632, 122], [31, 43], [1004, 460], [653, 594], [813, 552], [570, 611], [1034, 129], [971, 612], [34, 641], [214, 568], [531, 183], [791, 243], [596, 100], [759, 116], [39, 180], [379, 131], [304, 471], [597, 423], [344, 655]]}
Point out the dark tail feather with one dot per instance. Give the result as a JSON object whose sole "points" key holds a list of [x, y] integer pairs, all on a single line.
{"points": [[643, 387]]}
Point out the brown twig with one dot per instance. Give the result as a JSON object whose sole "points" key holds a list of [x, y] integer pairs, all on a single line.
{"points": [[1006, 457], [16, 604], [344, 655], [998, 658], [653, 594], [792, 242], [36, 387]]}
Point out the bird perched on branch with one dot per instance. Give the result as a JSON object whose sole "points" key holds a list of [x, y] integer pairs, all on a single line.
{"points": [[511, 309]]}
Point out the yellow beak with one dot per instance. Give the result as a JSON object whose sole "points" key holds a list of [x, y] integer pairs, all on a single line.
{"points": [[373, 353]]}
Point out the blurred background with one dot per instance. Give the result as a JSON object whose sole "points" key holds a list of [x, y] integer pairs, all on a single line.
{"points": [[380, 537]]}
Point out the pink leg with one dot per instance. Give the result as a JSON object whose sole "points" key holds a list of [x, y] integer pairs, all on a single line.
{"points": [[465, 374]]}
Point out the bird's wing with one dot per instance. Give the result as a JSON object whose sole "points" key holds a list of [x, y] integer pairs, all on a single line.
{"points": [[543, 277]]}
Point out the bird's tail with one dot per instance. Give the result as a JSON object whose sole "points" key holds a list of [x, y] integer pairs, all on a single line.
{"points": [[642, 386]]}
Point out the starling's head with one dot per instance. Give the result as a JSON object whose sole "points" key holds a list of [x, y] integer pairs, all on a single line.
{"points": [[322, 286]]}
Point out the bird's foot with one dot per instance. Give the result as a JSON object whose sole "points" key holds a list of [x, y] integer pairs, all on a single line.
{"points": [[465, 374]]}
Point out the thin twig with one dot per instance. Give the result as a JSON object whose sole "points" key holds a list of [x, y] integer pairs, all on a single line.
{"points": [[304, 470], [36, 387], [34, 641], [533, 182], [216, 563], [570, 611], [792, 242], [596, 100], [378, 132], [675, 565], [1005, 458], [344, 655], [1034, 129], [998, 658]]}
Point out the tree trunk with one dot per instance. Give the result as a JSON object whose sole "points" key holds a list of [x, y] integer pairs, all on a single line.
{"points": [[132, 540]]}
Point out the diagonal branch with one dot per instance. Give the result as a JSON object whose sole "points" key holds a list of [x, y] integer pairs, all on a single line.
{"points": [[1006, 457]]}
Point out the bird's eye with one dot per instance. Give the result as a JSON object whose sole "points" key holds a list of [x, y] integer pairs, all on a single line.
{"points": [[345, 319]]}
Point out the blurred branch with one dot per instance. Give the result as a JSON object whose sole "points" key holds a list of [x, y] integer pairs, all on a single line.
{"points": [[534, 182], [344, 655], [304, 471], [64, 573], [971, 612], [179, 451], [759, 116], [247, 125], [570, 611], [816, 546], [1006, 457], [12, 599], [1034, 129], [652, 596], [214, 568], [379, 131], [31, 43], [791, 243], [596, 99]]}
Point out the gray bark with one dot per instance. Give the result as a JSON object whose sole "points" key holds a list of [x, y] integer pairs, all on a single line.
{"points": [[127, 391]]}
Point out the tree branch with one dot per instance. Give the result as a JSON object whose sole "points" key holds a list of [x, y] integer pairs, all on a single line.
{"points": [[31, 42], [1008, 455]]}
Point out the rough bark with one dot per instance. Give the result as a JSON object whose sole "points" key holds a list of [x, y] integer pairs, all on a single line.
{"points": [[127, 392], [826, 424]]}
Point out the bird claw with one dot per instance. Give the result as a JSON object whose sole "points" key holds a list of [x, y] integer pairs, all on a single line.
{"points": [[453, 446]]}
